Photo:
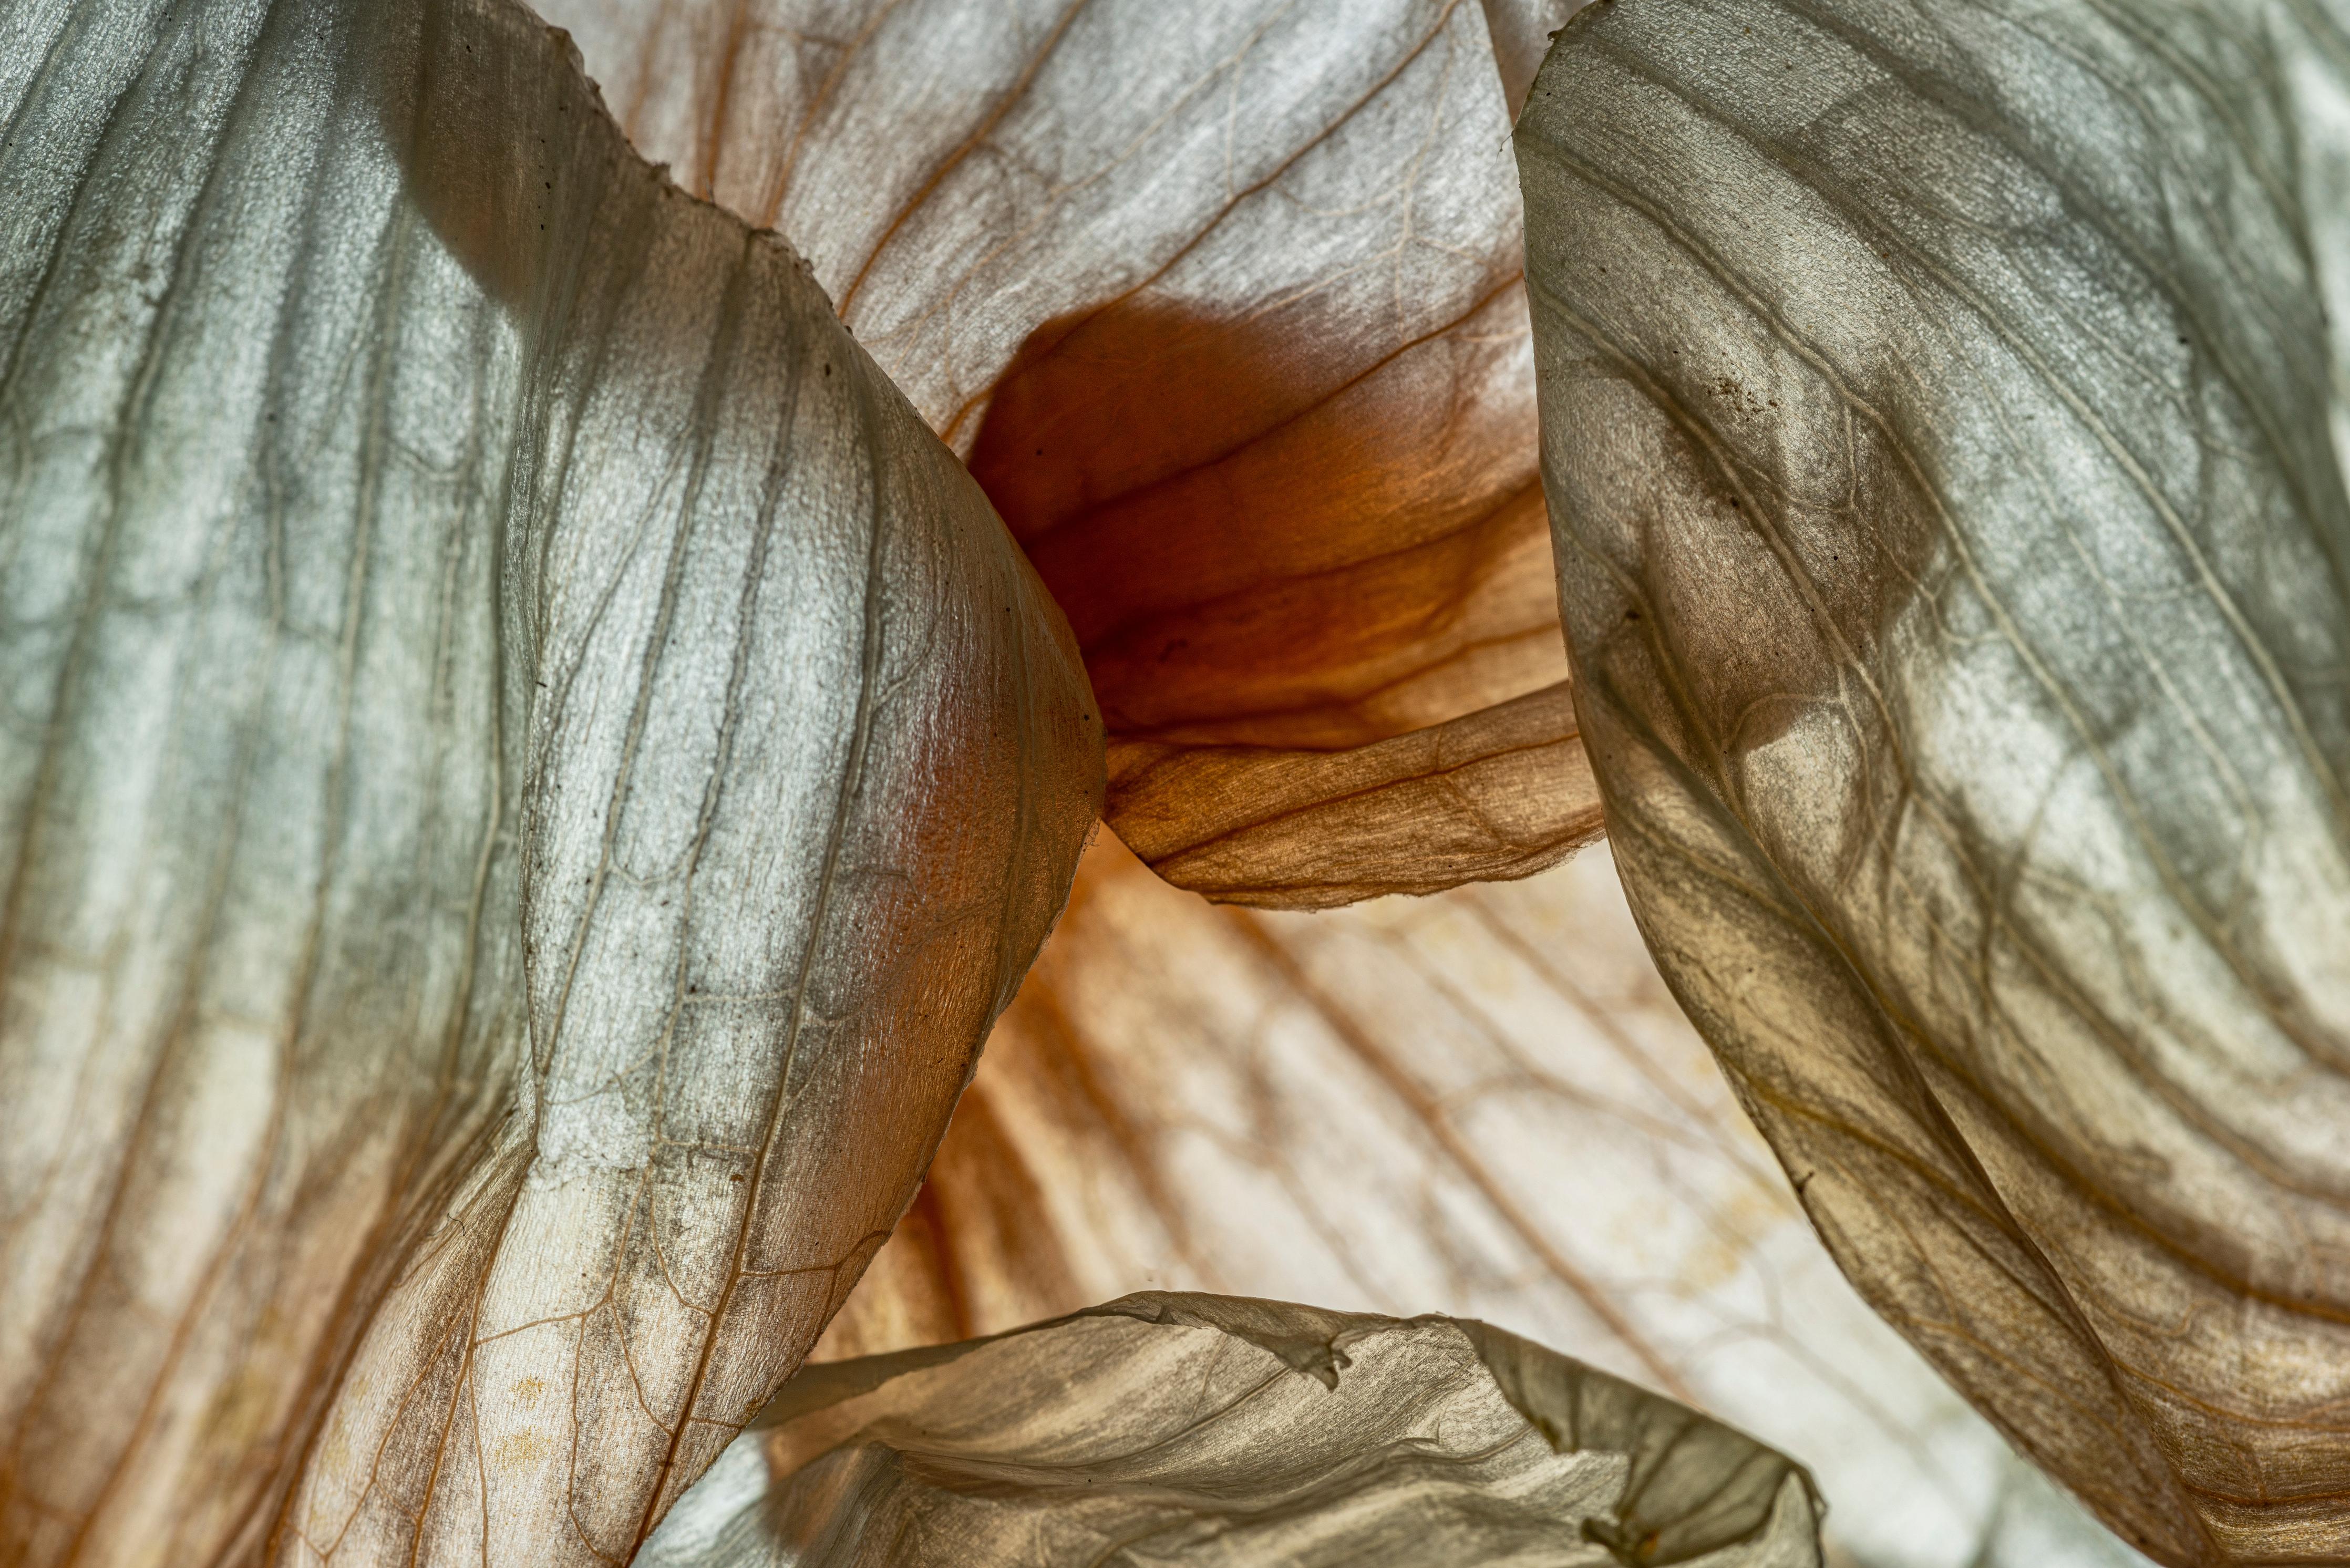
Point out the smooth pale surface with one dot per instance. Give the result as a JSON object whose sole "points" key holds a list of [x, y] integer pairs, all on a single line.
{"points": [[1522, 31], [1482, 1103], [526, 772], [1214, 1430], [1940, 423], [1221, 302]]}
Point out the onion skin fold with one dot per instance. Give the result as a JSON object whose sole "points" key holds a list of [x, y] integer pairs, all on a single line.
{"points": [[1940, 412], [538, 773], [1218, 1431]]}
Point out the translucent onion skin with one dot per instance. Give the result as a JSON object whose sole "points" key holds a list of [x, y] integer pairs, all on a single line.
{"points": [[1223, 1432], [1222, 303], [528, 772], [1940, 427]]}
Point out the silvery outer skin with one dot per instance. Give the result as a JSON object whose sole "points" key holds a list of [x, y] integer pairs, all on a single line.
{"points": [[527, 772], [1942, 420]]}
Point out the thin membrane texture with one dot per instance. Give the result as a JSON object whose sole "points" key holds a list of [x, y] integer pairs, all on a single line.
{"points": [[1172, 1428], [1941, 412], [1522, 31], [527, 774], [1222, 303], [1482, 1103], [1493, 795]]}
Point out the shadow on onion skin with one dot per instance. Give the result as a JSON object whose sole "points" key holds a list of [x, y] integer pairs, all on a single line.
{"points": [[1258, 542], [1314, 598]]}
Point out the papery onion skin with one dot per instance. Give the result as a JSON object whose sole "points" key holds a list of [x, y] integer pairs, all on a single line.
{"points": [[1216, 1432], [1223, 305], [530, 772], [1939, 430]]}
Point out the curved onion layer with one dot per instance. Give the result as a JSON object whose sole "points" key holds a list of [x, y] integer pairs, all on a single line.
{"points": [[1166, 1428], [1222, 303], [1940, 415], [529, 772], [1483, 1103]]}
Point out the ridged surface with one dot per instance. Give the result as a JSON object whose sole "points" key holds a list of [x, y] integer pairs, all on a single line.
{"points": [[1940, 425], [1169, 1428], [1501, 793], [1222, 303], [527, 774], [1482, 1103]]}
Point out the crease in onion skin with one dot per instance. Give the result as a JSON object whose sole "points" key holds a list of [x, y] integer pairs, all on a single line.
{"points": [[1181, 1096], [1298, 607], [1501, 792], [1201, 1430], [539, 772], [1222, 303], [1939, 420]]}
